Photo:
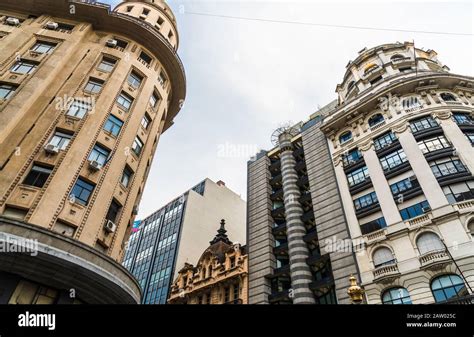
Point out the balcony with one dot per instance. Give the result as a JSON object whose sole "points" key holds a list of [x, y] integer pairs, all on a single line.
{"points": [[434, 260], [421, 220], [427, 132], [276, 181], [277, 195], [308, 216], [281, 271], [279, 229], [278, 213], [281, 249], [310, 236], [275, 166], [305, 198], [302, 181], [386, 274]]}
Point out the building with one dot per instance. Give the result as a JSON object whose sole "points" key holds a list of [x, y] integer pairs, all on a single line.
{"points": [[378, 184], [401, 141], [85, 93], [178, 233], [219, 277], [294, 206]]}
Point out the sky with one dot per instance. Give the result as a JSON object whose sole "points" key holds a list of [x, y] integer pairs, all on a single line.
{"points": [[245, 78]]}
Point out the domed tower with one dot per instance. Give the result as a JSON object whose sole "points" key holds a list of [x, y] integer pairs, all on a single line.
{"points": [[157, 13], [85, 94], [401, 140]]}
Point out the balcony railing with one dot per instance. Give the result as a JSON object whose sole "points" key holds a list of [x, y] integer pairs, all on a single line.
{"points": [[434, 258], [386, 272], [468, 299]]}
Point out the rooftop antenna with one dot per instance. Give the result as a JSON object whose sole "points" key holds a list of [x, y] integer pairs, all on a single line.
{"points": [[287, 127]]}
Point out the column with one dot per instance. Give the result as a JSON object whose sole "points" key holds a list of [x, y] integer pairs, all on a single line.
{"points": [[297, 250], [463, 146], [381, 187], [430, 186]]}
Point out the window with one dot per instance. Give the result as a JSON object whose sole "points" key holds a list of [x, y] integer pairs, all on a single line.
{"points": [[410, 102], [170, 35], [393, 160], [405, 69], [429, 242], [383, 257], [134, 79], [43, 47], [462, 118], [129, 9], [423, 123], [14, 212], [226, 294], [351, 157], [433, 144], [94, 85], [370, 67], [82, 191], [345, 137], [65, 27], [350, 86], [113, 125], [124, 101], [448, 286], [396, 296], [145, 121], [121, 43], [107, 64], [6, 90], [145, 11], [365, 201], [447, 97], [154, 98], [376, 120], [160, 21], [470, 136], [236, 291], [415, 210], [162, 79], [403, 185], [232, 262], [60, 140], [470, 227], [126, 176], [24, 67], [99, 154], [384, 140], [397, 57], [78, 109], [358, 176], [376, 80], [446, 168], [137, 146], [38, 176], [459, 192], [145, 57], [113, 211], [373, 226]]}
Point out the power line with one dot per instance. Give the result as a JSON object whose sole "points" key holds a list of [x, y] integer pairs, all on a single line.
{"points": [[327, 25]]}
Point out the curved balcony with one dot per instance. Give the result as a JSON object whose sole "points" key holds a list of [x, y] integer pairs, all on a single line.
{"points": [[386, 274], [434, 260]]}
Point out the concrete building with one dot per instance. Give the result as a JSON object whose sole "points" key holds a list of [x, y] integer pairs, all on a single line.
{"points": [[383, 176], [401, 143], [85, 93], [178, 233], [219, 277]]}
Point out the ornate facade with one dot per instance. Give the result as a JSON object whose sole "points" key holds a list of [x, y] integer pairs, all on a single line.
{"points": [[219, 277], [401, 140], [85, 93]]}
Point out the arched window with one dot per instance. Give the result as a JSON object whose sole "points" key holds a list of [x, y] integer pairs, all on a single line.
{"points": [[370, 67], [447, 97], [470, 226], [345, 137], [448, 286], [375, 120], [382, 257], [429, 242], [396, 57], [396, 296], [210, 270]]}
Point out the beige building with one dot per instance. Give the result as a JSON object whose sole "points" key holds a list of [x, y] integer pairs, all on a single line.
{"points": [[401, 140], [85, 93], [219, 277], [178, 233]]}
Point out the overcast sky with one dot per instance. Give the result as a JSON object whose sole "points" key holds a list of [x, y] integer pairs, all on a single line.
{"points": [[245, 78]]}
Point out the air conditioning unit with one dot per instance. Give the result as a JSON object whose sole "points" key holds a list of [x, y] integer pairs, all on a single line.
{"points": [[426, 209], [13, 21], [52, 25], [51, 149], [94, 165], [110, 226], [111, 43]]}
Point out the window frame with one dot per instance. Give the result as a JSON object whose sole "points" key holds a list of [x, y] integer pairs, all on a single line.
{"points": [[22, 63], [41, 175], [116, 125], [92, 85], [84, 187]]}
